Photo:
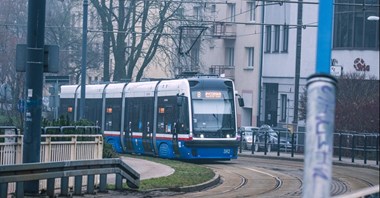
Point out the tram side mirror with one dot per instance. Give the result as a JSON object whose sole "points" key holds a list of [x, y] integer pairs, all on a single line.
{"points": [[241, 102]]}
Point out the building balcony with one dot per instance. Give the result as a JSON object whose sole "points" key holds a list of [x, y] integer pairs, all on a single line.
{"points": [[225, 30], [224, 71]]}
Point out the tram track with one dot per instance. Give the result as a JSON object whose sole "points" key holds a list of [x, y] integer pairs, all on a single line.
{"points": [[259, 177], [280, 178]]}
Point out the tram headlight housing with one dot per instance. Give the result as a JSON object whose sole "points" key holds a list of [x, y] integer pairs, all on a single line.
{"points": [[228, 136], [202, 136]]}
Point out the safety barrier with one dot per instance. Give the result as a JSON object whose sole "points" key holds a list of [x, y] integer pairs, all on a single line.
{"points": [[51, 170], [57, 144]]}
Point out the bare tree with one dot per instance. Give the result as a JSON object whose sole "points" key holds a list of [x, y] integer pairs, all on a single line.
{"points": [[13, 16], [357, 103], [138, 31], [62, 30]]}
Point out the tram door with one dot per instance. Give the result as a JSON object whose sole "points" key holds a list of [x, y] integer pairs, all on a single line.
{"points": [[140, 121], [147, 130]]}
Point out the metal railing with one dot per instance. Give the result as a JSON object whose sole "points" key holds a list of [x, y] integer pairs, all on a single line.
{"points": [[353, 146], [57, 144]]}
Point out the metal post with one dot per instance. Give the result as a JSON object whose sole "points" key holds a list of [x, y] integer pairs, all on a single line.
{"points": [[33, 88], [298, 65], [365, 149], [377, 149], [253, 142], [292, 152], [318, 144], [353, 149], [340, 146], [278, 144], [320, 112], [84, 59]]}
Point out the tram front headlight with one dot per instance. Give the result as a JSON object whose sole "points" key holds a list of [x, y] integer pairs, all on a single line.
{"points": [[202, 136], [228, 136]]}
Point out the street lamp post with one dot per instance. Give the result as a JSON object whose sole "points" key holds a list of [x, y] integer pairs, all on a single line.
{"points": [[84, 57]]}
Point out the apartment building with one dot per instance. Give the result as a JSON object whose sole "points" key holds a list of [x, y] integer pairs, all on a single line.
{"points": [[355, 49], [260, 53]]}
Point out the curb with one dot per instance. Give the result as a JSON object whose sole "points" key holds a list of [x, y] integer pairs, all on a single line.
{"points": [[340, 163], [193, 188]]}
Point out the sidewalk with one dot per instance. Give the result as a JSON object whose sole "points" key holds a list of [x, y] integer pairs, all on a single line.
{"points": [[300, 157], [146, 169]]}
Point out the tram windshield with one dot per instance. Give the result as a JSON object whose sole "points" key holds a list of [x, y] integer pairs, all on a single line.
{"points": [[213, 111]]}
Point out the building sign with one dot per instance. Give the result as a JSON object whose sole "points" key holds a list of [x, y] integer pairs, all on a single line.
{"points": [[336, 70], [359, 65]]}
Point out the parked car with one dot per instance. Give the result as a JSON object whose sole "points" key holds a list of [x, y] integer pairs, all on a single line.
{"points": [[246, 133], [271, 135]]}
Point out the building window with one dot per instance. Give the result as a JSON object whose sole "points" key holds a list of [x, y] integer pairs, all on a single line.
{"points": [[250, 55], [285, 38], [231, 12], [195, 58], [230, 53], [268, 36], [284, 102], [197, 13], [180, 12], [213, 8], [251, 7], [352, 29], [276, 38]]}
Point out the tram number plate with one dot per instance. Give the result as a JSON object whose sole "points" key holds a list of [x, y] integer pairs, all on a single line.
{"points": [[227, 151]]}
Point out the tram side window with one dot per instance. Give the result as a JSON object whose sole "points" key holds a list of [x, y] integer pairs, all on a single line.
{"points": [[147, 114], [139, 113], [183, 117], [93, 111], [132, 116], [166, 114], [113, 114]]}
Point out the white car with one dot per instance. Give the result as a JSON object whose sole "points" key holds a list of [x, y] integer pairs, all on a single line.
{"points": [[246, 133]]}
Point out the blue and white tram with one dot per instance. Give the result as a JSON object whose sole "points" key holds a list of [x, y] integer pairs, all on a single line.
{"points": [[191, 118]]}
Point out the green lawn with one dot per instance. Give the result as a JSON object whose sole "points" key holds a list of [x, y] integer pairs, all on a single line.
{"points": [[185, 174]]}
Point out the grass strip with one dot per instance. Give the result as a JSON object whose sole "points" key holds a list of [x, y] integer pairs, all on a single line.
{"points": [[185, 174]]}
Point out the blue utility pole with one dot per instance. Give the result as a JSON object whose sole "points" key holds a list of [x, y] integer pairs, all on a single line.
{"points": [[320, 112]]}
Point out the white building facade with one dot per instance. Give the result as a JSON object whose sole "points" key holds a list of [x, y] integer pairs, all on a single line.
{"points": [[261, 55]]}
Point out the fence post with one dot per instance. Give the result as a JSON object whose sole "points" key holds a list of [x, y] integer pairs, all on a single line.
{"points": [[353, 149], [3, 189], [365, 149], [118, 182], [265, 143], [278, 143], [377, 150], [19, 189], [241, 142], [90, 184], [340, 146], [292, 153], [103, 183], [78, 185], [50, 187], [253, 142], [65, 186]]}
